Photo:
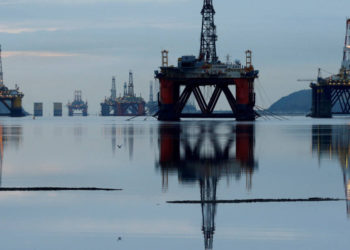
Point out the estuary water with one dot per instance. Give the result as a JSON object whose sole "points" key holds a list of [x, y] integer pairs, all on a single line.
{"points": [[186, 185]]}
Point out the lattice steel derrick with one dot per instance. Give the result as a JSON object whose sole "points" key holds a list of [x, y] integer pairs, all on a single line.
{"points": [[131, 84], [208, 34]]}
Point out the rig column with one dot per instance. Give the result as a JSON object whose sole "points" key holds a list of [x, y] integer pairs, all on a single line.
{"points": [[169, 95], [321, 101], [16, 107], [245, 98]]}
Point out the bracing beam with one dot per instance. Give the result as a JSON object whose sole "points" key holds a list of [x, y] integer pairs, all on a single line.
{"points": [[230, 98], [206, 109], [214, 99], [342, 97], [200, 100], [183, 99]]}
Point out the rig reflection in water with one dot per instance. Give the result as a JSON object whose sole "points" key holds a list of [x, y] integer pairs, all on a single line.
{"points": [[204, 153], [330, 142], [9, 136]]}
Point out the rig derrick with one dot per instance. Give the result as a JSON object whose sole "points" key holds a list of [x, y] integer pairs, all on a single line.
{"points": [[78, 105], [10, 99], [192, 74]]}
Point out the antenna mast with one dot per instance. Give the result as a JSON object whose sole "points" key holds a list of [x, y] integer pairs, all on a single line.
{"points": [[1, 73], [208, 34]]}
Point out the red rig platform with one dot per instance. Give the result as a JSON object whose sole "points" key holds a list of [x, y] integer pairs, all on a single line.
{"points": [[193, 74]]}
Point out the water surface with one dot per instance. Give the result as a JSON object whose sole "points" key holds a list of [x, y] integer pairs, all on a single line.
{"points": [[199, 161]]}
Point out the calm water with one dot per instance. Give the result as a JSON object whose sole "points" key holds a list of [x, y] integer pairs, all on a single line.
{"points": [[159, 162]]}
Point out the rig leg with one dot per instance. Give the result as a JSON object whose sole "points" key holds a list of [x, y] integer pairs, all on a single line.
{"points": [[85, 112], [169, 95], [141, 109], [105, 109], [321, 102], [16, 107], [245, 100]]}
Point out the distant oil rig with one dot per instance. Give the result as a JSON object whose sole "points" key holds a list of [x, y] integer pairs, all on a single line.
{"points": [[127, 105], [78, 106], [194, 74], [152, 104], [10, 99], [327, 92]]}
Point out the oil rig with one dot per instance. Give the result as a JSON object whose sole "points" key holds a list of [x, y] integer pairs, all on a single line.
{"points": [[152, 104], [78, 106], [327, 92], [127, 105], [193, 74], [10, 99]]}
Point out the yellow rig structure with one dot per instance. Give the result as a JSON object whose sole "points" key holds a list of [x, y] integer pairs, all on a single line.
{"points": [[10, 99]]}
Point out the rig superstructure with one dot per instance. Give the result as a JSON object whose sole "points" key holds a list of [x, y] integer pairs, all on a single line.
{"points": [[78, 106], [10, 99], [127, 105], [193, 74], [327, 92]]}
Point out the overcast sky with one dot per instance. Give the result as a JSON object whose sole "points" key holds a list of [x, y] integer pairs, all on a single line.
{"points": [[52, 47]]}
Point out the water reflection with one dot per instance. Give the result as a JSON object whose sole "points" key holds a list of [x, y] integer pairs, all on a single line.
{"points": [[333, 142], [123, 137], [205, 154], [9, 136]]}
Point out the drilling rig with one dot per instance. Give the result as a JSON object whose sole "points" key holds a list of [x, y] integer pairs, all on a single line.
{"points": [[194, 74], [10, 99], [126, 105], [335, 89], [152, 105], [78, 106]]}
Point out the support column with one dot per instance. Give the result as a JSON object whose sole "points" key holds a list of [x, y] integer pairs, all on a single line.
{"points": [[141, 109], [16, 107], [119, 109], [105, 109], [321, 102], [245, 98], [169, 95]]}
